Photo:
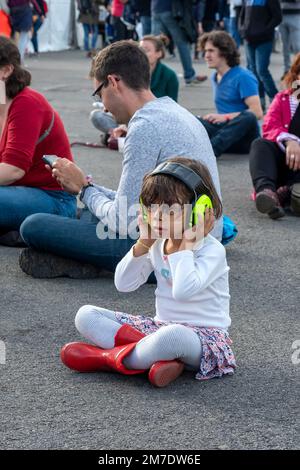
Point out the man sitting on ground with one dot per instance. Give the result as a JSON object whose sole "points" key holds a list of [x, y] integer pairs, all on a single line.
{"points": [[158, 128], [234, 126]]}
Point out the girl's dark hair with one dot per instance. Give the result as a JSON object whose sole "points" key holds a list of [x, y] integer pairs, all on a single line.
{"points": [[226, 45], [20, 78], [159, 43], [166, 189]]}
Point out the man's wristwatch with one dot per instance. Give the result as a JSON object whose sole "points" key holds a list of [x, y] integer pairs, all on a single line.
{"points": [[83, 190]]}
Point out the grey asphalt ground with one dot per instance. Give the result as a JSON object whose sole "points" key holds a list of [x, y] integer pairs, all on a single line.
{"points": [[45, 406]]}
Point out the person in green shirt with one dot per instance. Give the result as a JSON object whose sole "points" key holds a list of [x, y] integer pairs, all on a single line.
{"points": [[164, 82]]}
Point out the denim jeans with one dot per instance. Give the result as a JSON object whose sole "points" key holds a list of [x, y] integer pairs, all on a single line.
{"points": [[290, 34], [258, 61], [74, 238], [165, 23], [87, 29], [234, 32], [36, 26], [146, 24], [234, 136], [19, 202]]}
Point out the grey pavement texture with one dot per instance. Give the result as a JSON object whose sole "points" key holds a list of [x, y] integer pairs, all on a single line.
{"points": [[46, 406]]}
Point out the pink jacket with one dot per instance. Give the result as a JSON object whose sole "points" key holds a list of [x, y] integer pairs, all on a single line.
{"points": [[278, 117]]}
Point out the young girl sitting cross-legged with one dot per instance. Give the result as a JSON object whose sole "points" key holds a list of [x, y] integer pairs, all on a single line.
{"points": [[190, 328]]}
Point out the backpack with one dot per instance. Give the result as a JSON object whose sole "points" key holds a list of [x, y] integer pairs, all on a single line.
{"points": [[45, 6]]}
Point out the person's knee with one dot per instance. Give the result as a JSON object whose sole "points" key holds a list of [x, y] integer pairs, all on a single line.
{"points": [[96, 119], [83, 317], [174, 335], [31, 227]]}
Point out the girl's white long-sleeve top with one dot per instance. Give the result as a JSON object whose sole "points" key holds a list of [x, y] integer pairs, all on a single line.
{"points": [[192, 286]]}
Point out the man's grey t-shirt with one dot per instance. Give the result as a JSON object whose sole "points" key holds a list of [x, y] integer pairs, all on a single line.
{"points": [[161, 129]]}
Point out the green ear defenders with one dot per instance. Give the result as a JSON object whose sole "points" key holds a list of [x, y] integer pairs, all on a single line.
{"points": [[192, 180]]}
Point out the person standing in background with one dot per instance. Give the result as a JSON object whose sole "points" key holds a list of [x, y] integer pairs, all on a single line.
{"points": [[290, 32], [38, 17], [234, 13], [89, 18], [164, 21], [143, 7], [257, 23], [21, 22]]}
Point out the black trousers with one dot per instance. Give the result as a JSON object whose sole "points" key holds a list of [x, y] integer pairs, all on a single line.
{"points": [[120, 30], [268, 166]]}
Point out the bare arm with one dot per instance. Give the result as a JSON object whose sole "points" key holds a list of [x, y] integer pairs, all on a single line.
{"points": [[253, 103], [10, 174]]}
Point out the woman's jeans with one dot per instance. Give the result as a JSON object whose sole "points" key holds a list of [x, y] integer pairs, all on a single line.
{"points": [[19, 202], [87, 30], [268, 167], [258, 61]]}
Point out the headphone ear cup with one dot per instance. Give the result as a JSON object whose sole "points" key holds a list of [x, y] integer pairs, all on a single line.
{"points": [[144, 212], [200, 206]]}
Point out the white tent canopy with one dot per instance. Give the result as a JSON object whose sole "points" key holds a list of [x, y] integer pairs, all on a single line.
{"points": [[60, 29]]}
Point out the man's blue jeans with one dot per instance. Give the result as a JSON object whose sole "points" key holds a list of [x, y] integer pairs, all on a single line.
{"points": [[234, 136], [74, 238], [258, 61], [166, 23], [19, 202]]}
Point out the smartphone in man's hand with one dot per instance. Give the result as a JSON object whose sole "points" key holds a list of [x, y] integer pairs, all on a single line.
{"points": [[50, 159]]}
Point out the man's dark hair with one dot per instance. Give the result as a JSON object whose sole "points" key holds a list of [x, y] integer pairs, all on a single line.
{"points": [[125, 59], [226, 45]]}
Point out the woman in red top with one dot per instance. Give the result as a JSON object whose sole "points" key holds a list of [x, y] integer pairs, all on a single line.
{"points": [[29, 128], [275, 158]]}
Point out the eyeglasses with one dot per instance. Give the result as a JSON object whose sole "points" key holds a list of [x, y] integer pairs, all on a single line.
{"points": [[97, 92]]}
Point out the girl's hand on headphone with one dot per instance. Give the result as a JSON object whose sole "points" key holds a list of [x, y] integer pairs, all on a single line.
{"points": [[145, 234], [192, 236], [196, 234], [209, 221]]}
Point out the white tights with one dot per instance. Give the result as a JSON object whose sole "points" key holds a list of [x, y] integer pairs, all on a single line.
{"points": [[175, 341]]}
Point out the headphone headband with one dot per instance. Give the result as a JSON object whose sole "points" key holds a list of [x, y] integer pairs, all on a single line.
{"points": [[183, 173]]}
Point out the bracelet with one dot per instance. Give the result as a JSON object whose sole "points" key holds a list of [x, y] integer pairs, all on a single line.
{"points": [[143, 244], [83, 189]]}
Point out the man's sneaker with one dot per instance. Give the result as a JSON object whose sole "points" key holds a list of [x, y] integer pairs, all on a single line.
{"points": [[12, 238], [295, 199], [267, 202], [47, 266], [196, 80]]}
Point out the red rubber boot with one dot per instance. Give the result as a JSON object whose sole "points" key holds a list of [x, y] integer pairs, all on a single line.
{"points": [[88, 358], [162, 372], [128, 334]]}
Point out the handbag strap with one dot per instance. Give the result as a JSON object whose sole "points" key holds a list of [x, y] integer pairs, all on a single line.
{"points": [[47, 131]]}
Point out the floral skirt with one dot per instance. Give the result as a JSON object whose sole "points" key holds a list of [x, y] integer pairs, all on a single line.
{"points": [[217, 356]]}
